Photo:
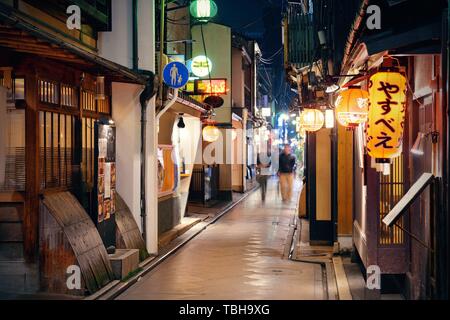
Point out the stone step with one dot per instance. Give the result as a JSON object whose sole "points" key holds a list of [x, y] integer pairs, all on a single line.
{"points": [[11, 251], [11, 232], [18, 278], [10, 213], [185, 225]]}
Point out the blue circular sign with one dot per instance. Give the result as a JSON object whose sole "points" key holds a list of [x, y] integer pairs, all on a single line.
{"points": [[175, 75]]}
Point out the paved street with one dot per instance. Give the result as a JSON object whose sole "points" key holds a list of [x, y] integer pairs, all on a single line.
{"points": [[238, 257]]}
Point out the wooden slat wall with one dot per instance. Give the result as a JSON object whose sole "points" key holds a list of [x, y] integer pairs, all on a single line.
{"points": [[345, 185], [31, 214], [82, 236], [128, 233]]}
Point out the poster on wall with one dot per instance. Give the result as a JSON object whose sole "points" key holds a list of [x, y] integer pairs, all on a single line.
{"points": [[167, 170], [106, 172]]}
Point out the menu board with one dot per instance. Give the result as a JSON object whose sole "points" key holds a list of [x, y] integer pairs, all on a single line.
{"points": [[106, 179]]}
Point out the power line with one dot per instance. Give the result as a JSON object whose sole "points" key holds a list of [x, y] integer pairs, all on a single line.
{"points": [[274, 55]]}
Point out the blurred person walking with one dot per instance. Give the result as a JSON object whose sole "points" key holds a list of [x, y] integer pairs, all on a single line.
{"points": [[287, 164], [263, 172]]}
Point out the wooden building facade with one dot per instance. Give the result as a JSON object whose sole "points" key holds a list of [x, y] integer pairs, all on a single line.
{"points": [[54, 92], [412, 254]]}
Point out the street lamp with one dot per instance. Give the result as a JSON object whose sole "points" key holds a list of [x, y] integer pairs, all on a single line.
{"points": [[203, 10]]}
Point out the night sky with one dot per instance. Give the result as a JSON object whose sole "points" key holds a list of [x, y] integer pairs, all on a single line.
{"points": [[260, 20], [256, 19]]}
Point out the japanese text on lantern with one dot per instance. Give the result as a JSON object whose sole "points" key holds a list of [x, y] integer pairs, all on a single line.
{"points": [[387, 93]]}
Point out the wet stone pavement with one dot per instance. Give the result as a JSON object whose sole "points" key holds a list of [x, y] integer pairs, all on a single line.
{"points": [[239, 257]]}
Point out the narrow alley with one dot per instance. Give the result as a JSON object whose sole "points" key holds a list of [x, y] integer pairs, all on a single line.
{"points": [[240, 257]]}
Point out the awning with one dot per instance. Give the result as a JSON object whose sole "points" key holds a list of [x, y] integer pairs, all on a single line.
{"points": [[187, 105], [18, 34], [424, 39]]}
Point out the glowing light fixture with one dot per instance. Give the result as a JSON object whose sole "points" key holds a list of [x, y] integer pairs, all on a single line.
{"points": [[266, 112], [211, 133], [311, 120], [332, 89], [201, 66], [329, 119], [203, 10], [100, 88], [352, 107]]}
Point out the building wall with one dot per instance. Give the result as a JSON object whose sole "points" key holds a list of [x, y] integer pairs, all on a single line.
{"points": [[179, 30], [218, 47], [345, 188], [127, 115], [323, 175], [238, 79], [426, 115], [117, 45]]}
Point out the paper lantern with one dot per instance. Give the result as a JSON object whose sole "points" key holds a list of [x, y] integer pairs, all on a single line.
{"points": [[352, 107], [311, 120], [203, 10], [387, 93], [211, 133]]}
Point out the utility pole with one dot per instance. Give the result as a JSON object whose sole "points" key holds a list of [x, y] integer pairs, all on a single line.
{"points": [[161, 50]]}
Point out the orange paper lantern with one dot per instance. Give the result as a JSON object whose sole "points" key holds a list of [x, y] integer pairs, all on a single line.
{"points": [[387, 92], [311, 120], [352, 107]]}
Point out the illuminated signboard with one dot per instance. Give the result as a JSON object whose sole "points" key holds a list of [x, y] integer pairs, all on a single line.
{"points": [[201, 66], [206, 86]]}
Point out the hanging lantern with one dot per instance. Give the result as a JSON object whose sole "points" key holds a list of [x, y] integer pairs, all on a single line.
{"points": [[203, 10], [211, 133], [352, 107], [311, 120], [100, 88], [387, 92]]}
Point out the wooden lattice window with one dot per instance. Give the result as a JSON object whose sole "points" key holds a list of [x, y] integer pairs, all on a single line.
{"points": [[88, 101], [392, 189], [56, 149], [87, 163], [68, 96], [12, 145], [48, 92], [104, 106]]}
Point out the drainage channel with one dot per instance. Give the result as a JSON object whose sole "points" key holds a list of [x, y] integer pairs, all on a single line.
{"points": [[321, 259]]}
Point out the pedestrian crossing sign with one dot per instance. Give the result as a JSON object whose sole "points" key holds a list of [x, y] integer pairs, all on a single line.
{"points": [[175, 75]]}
